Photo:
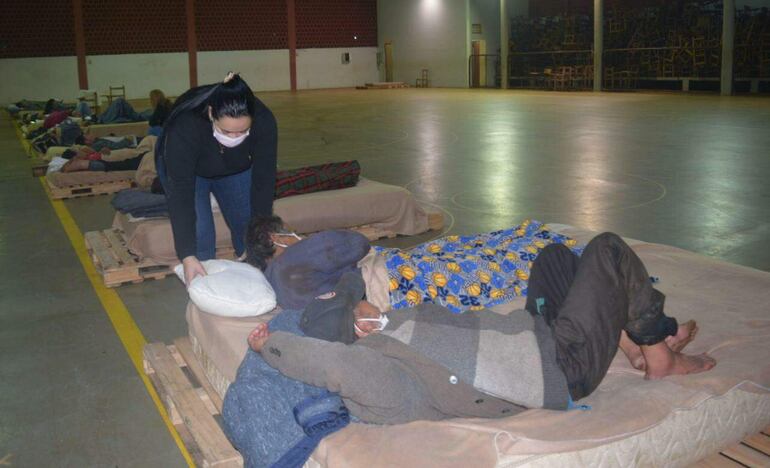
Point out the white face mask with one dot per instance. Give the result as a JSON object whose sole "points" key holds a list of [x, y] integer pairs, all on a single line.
{"points": [[291, 234], [228, 141], [382, 320]]}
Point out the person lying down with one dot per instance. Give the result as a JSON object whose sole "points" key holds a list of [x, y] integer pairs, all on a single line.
{"points": [[428, 363], [109, 160], [458, 272]]}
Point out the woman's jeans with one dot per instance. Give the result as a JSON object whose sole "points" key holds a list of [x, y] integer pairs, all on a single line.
{"points": [[233, 194]]}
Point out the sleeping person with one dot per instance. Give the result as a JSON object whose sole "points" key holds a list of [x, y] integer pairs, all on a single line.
{"points": [[457, 272], [107, 160], [427, 363]]}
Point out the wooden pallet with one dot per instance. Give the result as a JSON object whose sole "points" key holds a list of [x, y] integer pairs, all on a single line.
{"points": [[435, 222], [39, 167], [753, 451], [192, 403], [373, 233], [87, 190], [118, 265]]}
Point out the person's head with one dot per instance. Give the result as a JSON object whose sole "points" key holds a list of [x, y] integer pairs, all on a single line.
{"points": [[260, 240], [157, 97], [230, 105], [49, 107]]}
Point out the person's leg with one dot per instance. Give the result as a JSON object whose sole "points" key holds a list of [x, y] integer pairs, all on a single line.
{"points": [[611, 291], [550, 279], [233, 194], [130, 164], [204, 220]]}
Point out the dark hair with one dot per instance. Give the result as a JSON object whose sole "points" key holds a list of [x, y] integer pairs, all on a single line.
{"points": [[259, 244], [231, 99], [50, 106]]}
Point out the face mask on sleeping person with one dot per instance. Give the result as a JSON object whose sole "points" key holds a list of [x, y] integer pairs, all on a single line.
{"points": [[382, 322], [228, 141]]}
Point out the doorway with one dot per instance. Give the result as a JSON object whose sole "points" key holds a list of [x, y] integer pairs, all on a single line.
{"points": [[479, 62], [388, 61]]}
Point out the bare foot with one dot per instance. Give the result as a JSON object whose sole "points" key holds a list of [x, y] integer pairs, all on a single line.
{"points": [[684, 335], [258, 337], [632, 351], [662, 362]]}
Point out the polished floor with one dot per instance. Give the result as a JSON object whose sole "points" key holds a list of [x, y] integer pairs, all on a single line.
{"points": [[686, 170]]}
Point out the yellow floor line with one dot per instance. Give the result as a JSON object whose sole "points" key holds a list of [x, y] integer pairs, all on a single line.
{"points": [[127, 330]]}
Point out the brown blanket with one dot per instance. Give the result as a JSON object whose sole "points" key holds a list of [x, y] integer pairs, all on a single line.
{"points": [[386, 207]]}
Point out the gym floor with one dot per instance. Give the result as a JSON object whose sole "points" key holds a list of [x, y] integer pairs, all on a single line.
{"points": [[687, 170]]}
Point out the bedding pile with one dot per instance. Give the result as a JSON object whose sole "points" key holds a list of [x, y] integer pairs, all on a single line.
{"points": [[140, 203]]}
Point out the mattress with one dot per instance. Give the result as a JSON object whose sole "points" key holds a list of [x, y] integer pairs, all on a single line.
{"points": [[70, 179], [633, 422], [138, 129], [383, 206]]}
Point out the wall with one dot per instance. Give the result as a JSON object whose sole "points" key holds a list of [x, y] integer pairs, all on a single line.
{"points": [[487, 13], [517, 7], [140, 73], [323, 68], [432, 34], [142, 44], [263, 70], [38, 78]]}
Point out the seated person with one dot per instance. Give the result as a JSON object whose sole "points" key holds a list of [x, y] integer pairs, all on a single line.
{"points": [[426, 363], [82, 109], [458, 272], [161, 108], [120, 111]]}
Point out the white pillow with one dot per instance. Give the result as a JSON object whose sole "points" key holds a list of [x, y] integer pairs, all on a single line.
{"points": [[230, 289]]}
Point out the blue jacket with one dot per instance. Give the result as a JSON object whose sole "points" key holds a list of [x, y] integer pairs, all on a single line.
{"points": [[314, 265]]}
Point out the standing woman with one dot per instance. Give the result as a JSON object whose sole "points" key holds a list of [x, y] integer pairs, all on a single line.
{"points": [[218, 139]]}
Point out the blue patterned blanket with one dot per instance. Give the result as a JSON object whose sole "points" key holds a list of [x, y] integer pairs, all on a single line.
{"points": [[469, 272]]}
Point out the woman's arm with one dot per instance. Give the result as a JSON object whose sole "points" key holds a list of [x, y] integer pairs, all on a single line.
{"points": [[264, 160], [180, 158]]}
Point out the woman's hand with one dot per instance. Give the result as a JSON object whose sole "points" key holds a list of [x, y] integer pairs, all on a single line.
{"points": [[192, 268]]}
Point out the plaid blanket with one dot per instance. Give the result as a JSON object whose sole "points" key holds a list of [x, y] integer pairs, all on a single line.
{"points": [[311, 179]]}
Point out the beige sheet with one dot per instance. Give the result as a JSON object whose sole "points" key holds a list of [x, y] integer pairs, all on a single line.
{"points": [[147, 144], [152, 239], [69, 179], [730, 303], [384, 206], [146, 172], [120, 129]]}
